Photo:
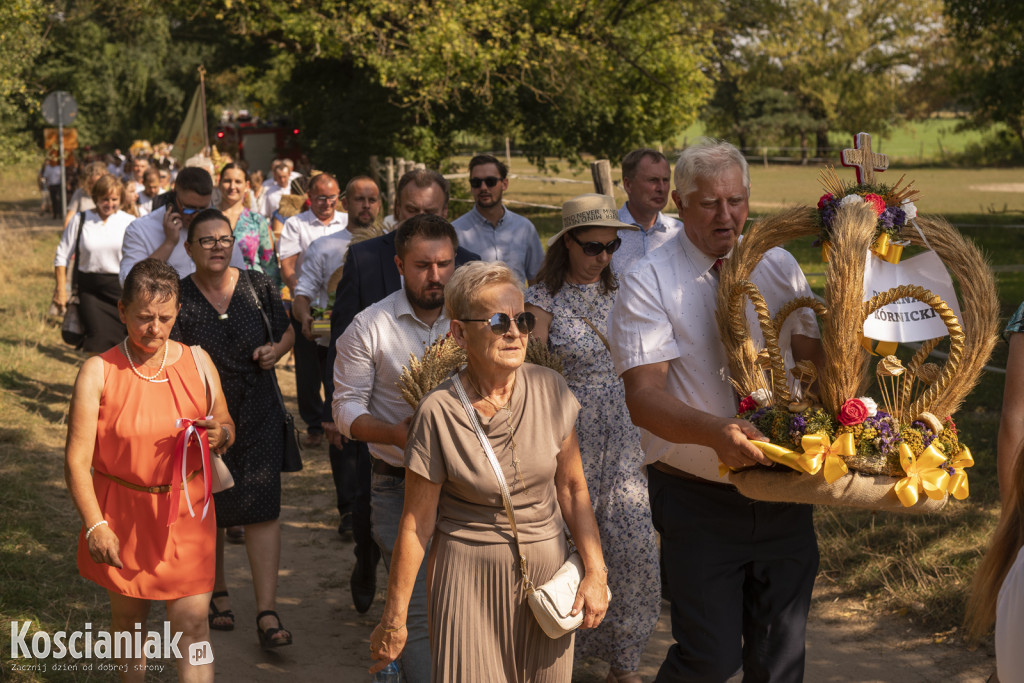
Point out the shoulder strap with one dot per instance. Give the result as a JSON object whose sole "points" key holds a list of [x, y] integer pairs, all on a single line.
{"points": [[204, 373], [270, 335], [78, 240], [499, 475]]}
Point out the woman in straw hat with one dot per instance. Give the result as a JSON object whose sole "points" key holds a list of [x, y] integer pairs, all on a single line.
{"points": [[571, 302], [481, 628]]}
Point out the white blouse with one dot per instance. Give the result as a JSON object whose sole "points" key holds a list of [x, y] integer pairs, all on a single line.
{"points": [[1010, 624], [100, 248]]}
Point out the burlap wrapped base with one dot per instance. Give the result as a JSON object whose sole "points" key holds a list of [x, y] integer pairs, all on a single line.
{"points": [[853, 490]]}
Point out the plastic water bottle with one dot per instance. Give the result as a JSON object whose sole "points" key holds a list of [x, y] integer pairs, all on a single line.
{"points": [[389, 674]]}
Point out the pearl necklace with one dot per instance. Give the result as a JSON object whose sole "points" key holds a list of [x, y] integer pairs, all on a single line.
{"points": [[152, 378]]}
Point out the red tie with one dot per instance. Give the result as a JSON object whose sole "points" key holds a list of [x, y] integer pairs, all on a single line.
{"points": [[717, 265]]}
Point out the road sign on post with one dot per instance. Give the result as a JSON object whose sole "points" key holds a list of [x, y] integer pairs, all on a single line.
{"points": [[60, 109]]}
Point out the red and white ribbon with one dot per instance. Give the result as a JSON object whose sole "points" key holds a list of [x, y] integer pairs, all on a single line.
{"points": [[180, 468]]}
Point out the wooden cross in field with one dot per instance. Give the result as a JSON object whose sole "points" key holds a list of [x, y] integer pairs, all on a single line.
{"points": [[864, 160]]}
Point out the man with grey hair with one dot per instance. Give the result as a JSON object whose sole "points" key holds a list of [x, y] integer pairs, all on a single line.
{"points": [[645, 178], [739, 572]]}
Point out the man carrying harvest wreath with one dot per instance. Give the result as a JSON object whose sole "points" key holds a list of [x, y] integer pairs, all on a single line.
{"points": [[739, 573]]}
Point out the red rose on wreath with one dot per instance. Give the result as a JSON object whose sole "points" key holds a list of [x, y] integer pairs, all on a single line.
{"points": [[876, 203], [853, 412], [748, 403], [825, 198]]}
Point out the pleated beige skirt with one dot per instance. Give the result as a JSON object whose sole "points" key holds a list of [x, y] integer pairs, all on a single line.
{"points": [[481, 627]]}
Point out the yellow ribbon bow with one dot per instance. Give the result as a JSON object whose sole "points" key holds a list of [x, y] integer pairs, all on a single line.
{"points": [[886, 250], [957, 477], [924, 473], [831, 454], [800, 462]]}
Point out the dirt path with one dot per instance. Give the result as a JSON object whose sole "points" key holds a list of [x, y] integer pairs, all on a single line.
{"points": [[845, 642]]}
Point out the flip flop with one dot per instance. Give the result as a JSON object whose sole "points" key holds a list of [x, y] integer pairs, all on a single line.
{"points": [[221, 614]]}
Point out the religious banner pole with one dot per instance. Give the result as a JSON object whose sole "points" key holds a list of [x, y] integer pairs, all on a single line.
{"points": [[202, 96]]}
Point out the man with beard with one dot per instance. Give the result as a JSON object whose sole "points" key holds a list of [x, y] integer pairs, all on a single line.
{"points": [[370, 274], [368, 404], [322, 259], [490, 229]]}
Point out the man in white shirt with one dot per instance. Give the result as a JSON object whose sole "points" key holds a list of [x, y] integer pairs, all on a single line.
{"points": [[490, 229], [150, 189], [276, 186], [739, 573], [368, 404], [645, 178], [298, 233], [320, 263], [161, 234]]}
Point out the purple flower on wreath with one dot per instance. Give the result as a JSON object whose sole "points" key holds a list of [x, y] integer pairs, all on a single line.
{"points": [[758, 414], [888, 436], [892, 217], [828, 213], [797, 427]]}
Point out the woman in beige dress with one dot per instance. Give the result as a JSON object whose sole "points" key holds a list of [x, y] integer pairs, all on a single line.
{"points": [[481, 628]]}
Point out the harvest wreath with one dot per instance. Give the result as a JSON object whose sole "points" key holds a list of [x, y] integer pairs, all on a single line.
{"points": [[837, 445]]}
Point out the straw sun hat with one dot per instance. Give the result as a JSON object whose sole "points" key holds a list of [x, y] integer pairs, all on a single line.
{"points": [[588, 211]]}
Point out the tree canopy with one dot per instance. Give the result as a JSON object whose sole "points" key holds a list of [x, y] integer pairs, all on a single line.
{"points": [[560, 77]]}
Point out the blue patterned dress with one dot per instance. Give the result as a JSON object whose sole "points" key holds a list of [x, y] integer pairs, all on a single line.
{"points": [[1016, 323], [613, 463], [253, 237]]}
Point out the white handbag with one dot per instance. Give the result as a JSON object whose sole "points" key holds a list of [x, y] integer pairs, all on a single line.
{"points": [[551, 603]]}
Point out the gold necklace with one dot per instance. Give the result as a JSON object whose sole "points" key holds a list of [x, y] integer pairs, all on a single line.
{"points": [[507, 407], [152, 378]]}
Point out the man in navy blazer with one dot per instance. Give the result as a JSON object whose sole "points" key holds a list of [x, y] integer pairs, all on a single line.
{"points": [[369, 275]]}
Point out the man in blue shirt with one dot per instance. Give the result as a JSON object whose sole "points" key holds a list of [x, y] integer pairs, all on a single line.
{"points": [[645, 178], [490, 229]]}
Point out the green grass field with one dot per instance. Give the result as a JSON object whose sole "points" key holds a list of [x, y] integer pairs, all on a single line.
{"points": [[917, 566]]}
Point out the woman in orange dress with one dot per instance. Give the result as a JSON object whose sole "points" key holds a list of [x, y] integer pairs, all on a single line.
{"points": [[125, 424]]}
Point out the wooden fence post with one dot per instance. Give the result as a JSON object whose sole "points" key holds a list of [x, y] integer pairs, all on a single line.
{"points": [[602, 172], [375, 169], [389, 180]]}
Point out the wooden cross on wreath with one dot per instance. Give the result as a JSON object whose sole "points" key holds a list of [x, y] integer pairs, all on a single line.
{"points": [[864, 160]]}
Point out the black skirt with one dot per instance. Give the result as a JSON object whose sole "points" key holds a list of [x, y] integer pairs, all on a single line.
{"points": [[98, 294]]}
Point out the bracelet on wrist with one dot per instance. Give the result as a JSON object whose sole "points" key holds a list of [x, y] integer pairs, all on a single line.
{"points": [[93, 528], [391, 630]]}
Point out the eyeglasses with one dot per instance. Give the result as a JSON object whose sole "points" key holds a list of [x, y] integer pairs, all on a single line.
{"points": [[595, 248], [227, 241], [490, 180], [326, 198], [500, 322]]}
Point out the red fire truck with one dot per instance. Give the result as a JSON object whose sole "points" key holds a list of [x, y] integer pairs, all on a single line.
{"points": [[257, 142]]}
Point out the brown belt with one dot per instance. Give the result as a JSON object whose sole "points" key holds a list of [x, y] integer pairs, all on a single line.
{"points": [[166, 488], [681, 474]]}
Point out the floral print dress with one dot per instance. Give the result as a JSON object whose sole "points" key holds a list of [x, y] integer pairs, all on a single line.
{"points": [[613, 463], [253, 238]]}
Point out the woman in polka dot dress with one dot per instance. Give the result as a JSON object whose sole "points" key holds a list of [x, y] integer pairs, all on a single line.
{"points": [[221, 311]]}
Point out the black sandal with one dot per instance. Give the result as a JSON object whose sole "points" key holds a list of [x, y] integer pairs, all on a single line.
{"points": [[219, 614], [267, 639]]}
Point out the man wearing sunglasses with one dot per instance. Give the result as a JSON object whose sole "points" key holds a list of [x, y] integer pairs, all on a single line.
{"points": [[738, 572], [161, 233], [368, 405], [490, 229], [645, 178]]}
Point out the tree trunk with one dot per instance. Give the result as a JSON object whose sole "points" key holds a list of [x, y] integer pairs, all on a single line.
{"points": [[821, 142], [803, 148]]}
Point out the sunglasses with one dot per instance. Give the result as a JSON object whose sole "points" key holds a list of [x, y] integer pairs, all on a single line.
{"points": [[209, 242], [500, 322], [595, 248], [490, 180]]}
